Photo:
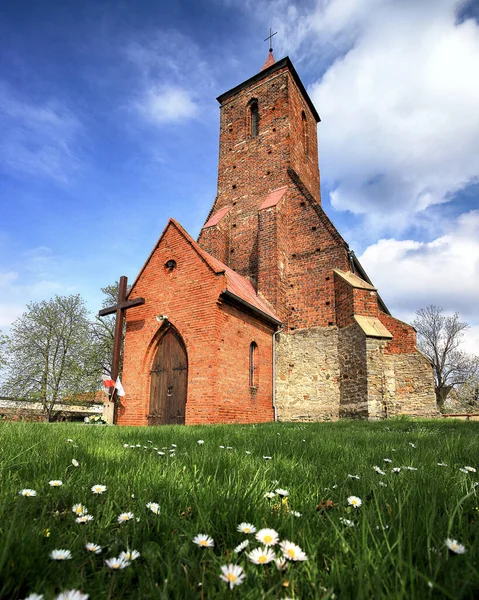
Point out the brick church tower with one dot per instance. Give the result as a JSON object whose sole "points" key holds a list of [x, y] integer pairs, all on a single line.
{"points": [[269, 313]]}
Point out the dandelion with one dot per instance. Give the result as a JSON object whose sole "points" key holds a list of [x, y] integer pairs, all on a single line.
{"points": [[246, 528], [354, 476], [240, 547], [203, 541], [269, 495], [55, 483], [261, 556], [60, 555], [354, 501], [154, 507], [79, 509], [281, 563], [200, 442], [130, 555], [28, 493], [84, 519], [268, 537], [292, 551], [455, 546], [282, 492], [95, 548], [117, 563], [232, 575], [75, 463], [124, 517], [72, 595]]}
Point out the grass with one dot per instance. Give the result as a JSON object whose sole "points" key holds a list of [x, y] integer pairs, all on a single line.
{"points": [[396, 548]]}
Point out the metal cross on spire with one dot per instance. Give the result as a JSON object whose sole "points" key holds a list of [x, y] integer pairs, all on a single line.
{"points": [[269, 38]]}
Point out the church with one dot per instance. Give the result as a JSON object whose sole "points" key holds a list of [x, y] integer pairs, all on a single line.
{"points": [[268, 315]]}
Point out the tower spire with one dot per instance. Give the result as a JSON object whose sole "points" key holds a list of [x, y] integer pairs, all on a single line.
{"points": [[270, 60]]}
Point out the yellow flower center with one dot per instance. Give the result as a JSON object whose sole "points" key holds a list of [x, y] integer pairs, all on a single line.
{"points": [[267, 539], [263, 558], [203, 543], [247, 529], [231, 577], [291, 552]]}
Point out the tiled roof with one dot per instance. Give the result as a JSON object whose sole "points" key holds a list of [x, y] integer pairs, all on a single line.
{"points": [[216, 218], [273, 198]]}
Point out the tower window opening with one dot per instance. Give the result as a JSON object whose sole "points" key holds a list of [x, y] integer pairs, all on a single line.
{"points": [[253, 366], [254, 117]]}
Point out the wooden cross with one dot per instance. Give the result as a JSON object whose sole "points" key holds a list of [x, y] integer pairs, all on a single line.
{"points": [[122, 305], [269, 38]]}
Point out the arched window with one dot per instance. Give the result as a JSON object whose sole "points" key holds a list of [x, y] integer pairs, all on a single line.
{"points": [[253, 366], [254, 118], [305, 132]]}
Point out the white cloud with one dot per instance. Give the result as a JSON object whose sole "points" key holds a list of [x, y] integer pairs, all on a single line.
{"points": [[37, 139], [166, 105], [445, 272]]}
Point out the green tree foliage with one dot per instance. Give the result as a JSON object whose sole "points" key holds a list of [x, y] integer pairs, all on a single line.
{"points": [[49, 353], [439, 338]]}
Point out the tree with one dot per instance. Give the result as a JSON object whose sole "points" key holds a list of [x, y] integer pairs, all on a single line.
{"points": [[48, 355], [439, 338], [103, 333]]}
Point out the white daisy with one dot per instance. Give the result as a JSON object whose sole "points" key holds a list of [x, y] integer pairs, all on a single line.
{"points": [[126, 445], [117, 563], [70, 440], [354, 501], [130, 555], [79, 509], [346, 522], [247, 452], [261, 556], [154, 507], [98, 489], [124, 517], [412, 445], [161, 453], [353, 476], [95, 548], [387, 460], [34, 597], [75, 463], [55, 483], [60, 554], [232, 574], [267, 457], [281, 563], [382, 484], [411, 468], [28, 493], [203, 541], [240, 547], [246, 528], [378, 470], [295, 513], [292, 551], [84, 519], [455, 546], [282, 492], [268, 537], [269, 495], [174, 446], [442, 464], [467, 469], [200, 442], [72, 595], [396, 469]]}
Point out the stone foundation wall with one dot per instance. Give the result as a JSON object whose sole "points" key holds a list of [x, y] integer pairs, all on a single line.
{"points": [[410, 386], [354, 373], [307, 375]]}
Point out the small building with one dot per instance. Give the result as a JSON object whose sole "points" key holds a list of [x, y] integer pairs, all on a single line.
{"points": [[269, 314]]}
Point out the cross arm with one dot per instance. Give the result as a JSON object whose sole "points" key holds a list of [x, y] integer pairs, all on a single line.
{"points": [[122, 305]]}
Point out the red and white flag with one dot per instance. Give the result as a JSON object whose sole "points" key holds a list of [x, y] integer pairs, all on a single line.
{"points": [[119, 387], [108, 382]]}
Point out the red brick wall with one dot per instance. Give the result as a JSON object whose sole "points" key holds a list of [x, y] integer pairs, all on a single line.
{"points": [[404, 335], [189, 297]]}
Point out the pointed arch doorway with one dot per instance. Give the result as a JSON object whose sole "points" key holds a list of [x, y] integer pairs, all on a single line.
{"points": [[169, 381]]}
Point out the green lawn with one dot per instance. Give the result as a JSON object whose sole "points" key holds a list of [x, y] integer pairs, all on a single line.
{"points": [[395, 548]]}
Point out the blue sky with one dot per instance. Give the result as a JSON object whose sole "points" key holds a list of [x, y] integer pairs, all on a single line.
{"points": [[109, 125]]}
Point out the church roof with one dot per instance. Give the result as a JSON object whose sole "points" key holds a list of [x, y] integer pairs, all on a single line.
{"points": [[237, 286], [269, 61]]}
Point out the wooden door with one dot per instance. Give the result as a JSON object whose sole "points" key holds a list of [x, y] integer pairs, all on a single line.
{"points": [[169, 378]]}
